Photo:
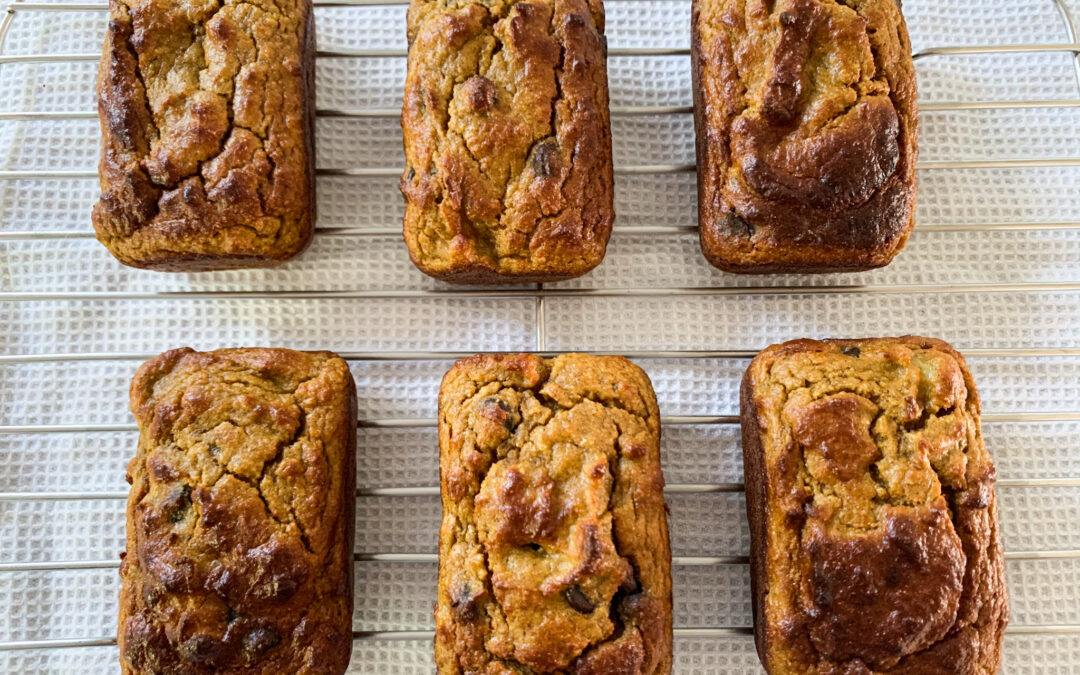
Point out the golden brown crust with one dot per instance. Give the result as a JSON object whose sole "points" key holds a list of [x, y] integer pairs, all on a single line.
{"points": [[207, 121], [807, 123], [240, 518], [508, 172], [553, 553], [875, 545]]}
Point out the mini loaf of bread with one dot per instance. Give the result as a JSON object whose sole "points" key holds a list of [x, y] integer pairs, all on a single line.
{"points": [[553, 552], [240, 518], [875, 545], [806, 133], [207, 123], [507, 140]]}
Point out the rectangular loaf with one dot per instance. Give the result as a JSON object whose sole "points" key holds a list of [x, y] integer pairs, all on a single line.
{"points": [[207, 123], [507, 140], [806, 121], [240, 521], [875, 544], [553, 551]]}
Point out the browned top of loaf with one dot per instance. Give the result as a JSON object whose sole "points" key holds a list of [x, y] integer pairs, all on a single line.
{"points": [[881, 550], [240, 515], [507, 142], [207, 153], [553, 552], [807, 126]]}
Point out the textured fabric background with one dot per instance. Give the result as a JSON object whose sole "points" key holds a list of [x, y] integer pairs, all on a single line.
{"points": [[399, 596]]}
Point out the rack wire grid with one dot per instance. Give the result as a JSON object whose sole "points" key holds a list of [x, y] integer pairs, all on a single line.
{"points": [[993, 266]]}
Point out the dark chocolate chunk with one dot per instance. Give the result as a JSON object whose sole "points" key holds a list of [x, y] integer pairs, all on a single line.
{"points": [[852, 351], [787, 19], [479, 93], [463, 602], [734, 226], [636, 605], [259, 641], [577, 599], [823, 589], [201, 649], [498, 409], [545, 159], [280, 588], [176, 505]]}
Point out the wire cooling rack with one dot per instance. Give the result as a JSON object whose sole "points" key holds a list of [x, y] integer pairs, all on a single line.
{"points": [[993, 266]]}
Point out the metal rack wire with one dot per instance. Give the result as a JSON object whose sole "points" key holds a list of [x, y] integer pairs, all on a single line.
{"points": [[538, 293]]}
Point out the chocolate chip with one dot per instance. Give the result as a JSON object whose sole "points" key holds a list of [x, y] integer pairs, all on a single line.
{"points": [[578, 600], [160, 469], [479, 93], [259, 641], [734, 226], [823, 588], [498, 409], [200, 649], [592, 552], [463, 602], [637, 605], [787, 18], [283, 588], [545, 159], [851, 351], [177, 504]]}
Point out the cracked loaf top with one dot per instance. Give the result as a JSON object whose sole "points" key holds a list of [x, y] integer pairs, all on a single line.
{"points": [[507, 139], [240, 517], [207, 121], [553, 551], [873, 520], [806, 133]]}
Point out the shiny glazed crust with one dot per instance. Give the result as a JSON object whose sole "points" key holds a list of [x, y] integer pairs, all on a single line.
{"points": [[207, 122], [507, 140], [806, 133], [553, 551], [240, 520], [875, 545]]}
